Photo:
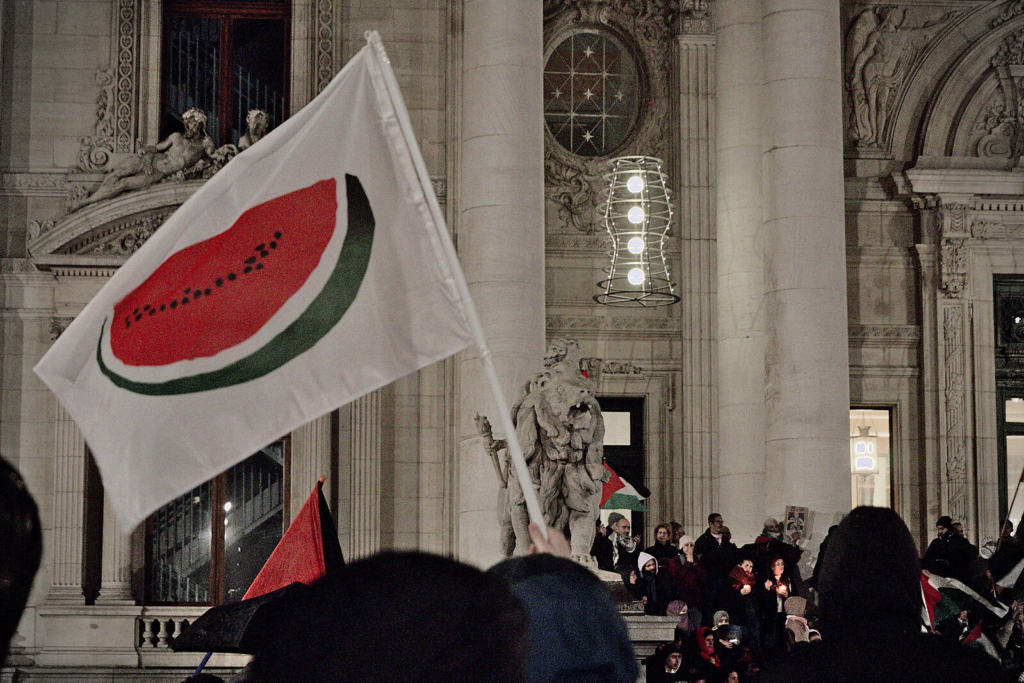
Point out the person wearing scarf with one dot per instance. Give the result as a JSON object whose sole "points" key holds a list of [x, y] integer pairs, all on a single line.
{"points": [[708, 663], [689, 619], [656, 586], [742, 600], [689, 575]]}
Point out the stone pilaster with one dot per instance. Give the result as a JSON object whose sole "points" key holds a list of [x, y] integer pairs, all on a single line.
{"points": [[68, 509], [741, 265], [807, 395], [365, 452], [500, 234], [116, 581], [310, 458], [698, 286]]}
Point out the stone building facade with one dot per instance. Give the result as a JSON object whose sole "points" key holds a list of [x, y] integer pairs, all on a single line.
{"points": [[849, 214]]}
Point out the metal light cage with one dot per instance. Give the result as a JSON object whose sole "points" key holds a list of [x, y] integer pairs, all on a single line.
{"points": [[637, 213]]}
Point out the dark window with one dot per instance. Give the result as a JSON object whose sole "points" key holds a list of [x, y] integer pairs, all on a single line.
{"points": [[1008, 315], [225, 58], [624, 447], [246, 506]]}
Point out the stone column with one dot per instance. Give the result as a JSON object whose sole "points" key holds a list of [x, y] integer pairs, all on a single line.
{"points": [[68, 508], [696, 221], [116, 576], [365, 497], [500, 231], [310, 458], [807, 370], [740, 251]]}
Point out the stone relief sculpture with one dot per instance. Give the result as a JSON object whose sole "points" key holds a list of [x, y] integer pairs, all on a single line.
{"points": [[154, 163], [879, 49], [559, 425]]}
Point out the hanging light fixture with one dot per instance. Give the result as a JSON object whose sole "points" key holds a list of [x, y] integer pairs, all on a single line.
{"points": [[637, 213]]}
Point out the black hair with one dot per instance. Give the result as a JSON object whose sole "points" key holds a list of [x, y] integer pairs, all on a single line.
{"points": [[712, 516]]}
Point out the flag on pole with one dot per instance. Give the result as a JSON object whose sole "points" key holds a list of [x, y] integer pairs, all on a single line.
{"points": [[313, 269], [309, 549], [944, 598], [619, 494]]}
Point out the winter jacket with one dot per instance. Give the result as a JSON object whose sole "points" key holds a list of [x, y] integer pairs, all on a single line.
{"points": [[691, 581]]}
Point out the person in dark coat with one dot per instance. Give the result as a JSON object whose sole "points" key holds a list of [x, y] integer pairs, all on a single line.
{"points": [[663, 549], [777, 588], [576, 631], [21, 541], [625, 548], [718, 555], [821, 556], [740, 599], [955, 629], [657, 591], [871, 623], [949, 555], [602, 548], [667, 667]]}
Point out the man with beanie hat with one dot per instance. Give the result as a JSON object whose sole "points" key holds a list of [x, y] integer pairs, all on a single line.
{"points": [[871, 622], [948, 555]]}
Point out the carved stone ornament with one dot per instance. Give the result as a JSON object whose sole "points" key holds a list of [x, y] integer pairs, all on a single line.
{"points": [[96, 148], [953, 227], [324, 43], [572, 182], [616, 368], [123, 238], [695, 18], [882, 46], [992, 230], [58, 325], [1014, 8], [955, 411]]}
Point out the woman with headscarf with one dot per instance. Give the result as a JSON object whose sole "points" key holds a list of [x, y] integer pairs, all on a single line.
{"points": [[777, 587], [689, 620], [708, 664], [689, 575], [656, 586]]}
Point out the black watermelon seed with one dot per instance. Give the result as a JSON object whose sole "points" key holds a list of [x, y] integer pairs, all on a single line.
{"points": [[277, 235], [246, 270], [207, 291], [188, 289], [259, 266], [231, 276], [264, 253], [272, 245], [146, 307], [127, 323], [219, 282], [251, 260], [163, 307], [198, 293], [184, 300], [138, 318], [259, 247], [152, 311], [174, 303], [135, 312]]}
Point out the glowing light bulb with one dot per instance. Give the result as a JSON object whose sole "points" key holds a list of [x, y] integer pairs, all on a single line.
{"points": [[635, 245], [635, 276], [227, 506], [635, 184], [635, 215]]}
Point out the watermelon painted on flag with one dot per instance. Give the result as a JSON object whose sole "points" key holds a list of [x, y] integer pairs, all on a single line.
{"points": [[619, 494], [945, 598], [306, 273]]}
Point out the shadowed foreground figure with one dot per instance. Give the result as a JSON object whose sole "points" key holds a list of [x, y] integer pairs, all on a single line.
{"points": [[871, 607], [397, 617], [576, 632], [21, 547]]}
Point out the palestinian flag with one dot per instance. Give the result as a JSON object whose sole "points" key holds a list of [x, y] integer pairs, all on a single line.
{"points": [[619, 494], [309, 549], [944, 598]]}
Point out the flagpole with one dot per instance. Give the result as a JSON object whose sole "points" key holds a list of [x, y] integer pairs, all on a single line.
{"points": [[999, 543], [469, 310]]}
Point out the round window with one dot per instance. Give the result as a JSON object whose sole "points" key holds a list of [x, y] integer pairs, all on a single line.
{"points": [[590, 93]]}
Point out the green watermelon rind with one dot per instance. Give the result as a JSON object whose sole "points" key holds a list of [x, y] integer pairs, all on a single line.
{"points": [[319, 318]]}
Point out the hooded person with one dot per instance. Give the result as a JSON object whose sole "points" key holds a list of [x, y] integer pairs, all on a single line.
{"points": [[871, 615], [656, 586], [668, 668], [575, 630], [708, 663], [689, 619]]}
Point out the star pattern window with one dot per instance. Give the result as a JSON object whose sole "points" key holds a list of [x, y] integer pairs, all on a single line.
{"points": [[590, 94]]}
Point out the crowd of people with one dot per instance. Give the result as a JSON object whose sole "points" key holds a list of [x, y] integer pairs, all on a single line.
{"points": [[743, 613]]}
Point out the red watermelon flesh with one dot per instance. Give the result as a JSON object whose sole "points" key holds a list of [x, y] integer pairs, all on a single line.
{"points": [[217, 293]]}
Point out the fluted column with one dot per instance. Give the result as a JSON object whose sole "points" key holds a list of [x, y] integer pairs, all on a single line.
{"points": [[68, 509], [807, 355], [698, 287], [741, 266], [310, 458], [116, 576], [500, 231], [364, 451]]}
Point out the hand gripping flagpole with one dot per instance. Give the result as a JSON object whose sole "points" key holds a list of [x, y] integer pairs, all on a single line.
{"points": [[383, 65]]}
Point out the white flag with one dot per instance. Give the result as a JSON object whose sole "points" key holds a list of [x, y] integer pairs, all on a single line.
{"points": [[306, 273]]}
